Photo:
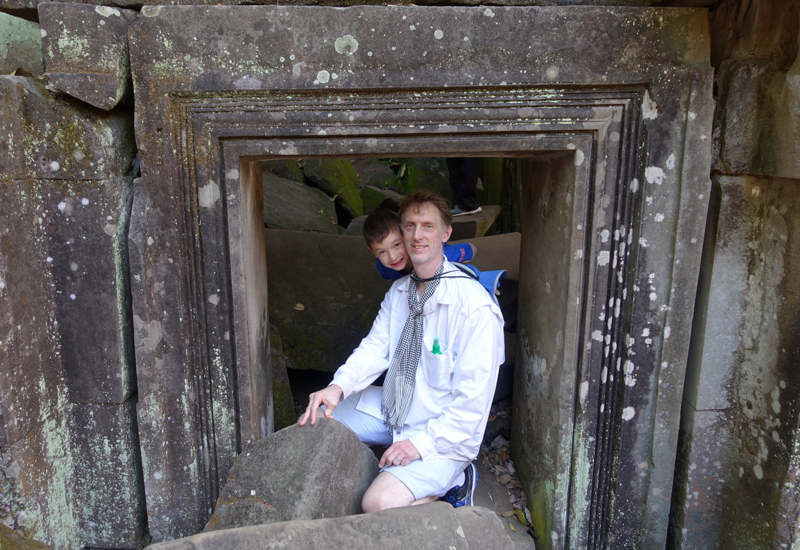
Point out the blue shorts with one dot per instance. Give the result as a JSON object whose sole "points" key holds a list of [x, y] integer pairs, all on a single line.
{"points": [[433, 477]]}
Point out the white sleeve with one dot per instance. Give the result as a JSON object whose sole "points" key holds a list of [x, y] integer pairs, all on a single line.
{"points": [[370, 358], [474, 380]]}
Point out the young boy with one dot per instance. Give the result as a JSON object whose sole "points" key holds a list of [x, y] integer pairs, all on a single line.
{"points": [[384, 236]]}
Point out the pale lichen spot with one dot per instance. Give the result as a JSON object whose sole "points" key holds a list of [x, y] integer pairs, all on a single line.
{"points": [[667, 332], [628, 413], [597, 335], [43, 33], [659, 217], [692, 115], [649, 107], [106, 11], [323, 77], [346, 45], [643, 242], [460, 532], [151, 11], [758, 471], [54, 166], [571, 146], [438, 34], [232, 174], [214, 299], [208, 194], [654, 174], [551, 73], [634, 185], [372, 142], [85, 202], [488, 12], [671, 161], [290, 149], [604, 234], [653, 296], [579, 157], [110, 229], [603, 258]]}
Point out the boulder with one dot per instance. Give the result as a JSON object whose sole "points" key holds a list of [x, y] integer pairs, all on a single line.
{"points": [[372, 198], [376, 173], [298, 473], [497, 252], [427, 527], [288, 169], [86, 51], [292, 205], [356, 227], [428, 173], [21, 42], [324, 294], [475, 225], [337, 178]]}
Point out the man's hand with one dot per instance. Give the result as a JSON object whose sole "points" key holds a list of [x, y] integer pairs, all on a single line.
{"points": [[329, 397], [399, 454]]}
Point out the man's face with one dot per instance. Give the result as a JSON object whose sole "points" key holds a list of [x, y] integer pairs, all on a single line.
{"points": [[425, 235]]}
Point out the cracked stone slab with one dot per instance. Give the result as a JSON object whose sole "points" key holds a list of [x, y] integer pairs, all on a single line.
{"points": [[86, 51], [45, 135]]}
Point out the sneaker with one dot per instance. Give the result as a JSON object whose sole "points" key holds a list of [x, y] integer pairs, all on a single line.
{"points": [[458, 211], [461, 495]]}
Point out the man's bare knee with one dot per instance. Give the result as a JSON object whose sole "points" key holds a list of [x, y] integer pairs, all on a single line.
{"points": [[386, 492]]}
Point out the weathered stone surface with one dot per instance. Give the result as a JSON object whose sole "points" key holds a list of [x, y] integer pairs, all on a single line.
{"points": [[298, 473], [356, 227], [742, 393], [286, 169], [497, 252], [374, 196], [324, 295], [45, 135], [428, 173], [20, 46], [108, 497], [294, 206], [377, 174], [86, 51], [14, 540], [65, 345], [281, 389], [428, 527], [597, 121], [474, 225], [337, 178]]}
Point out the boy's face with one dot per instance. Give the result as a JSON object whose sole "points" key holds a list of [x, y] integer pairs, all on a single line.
{"points": [[391, 251]]}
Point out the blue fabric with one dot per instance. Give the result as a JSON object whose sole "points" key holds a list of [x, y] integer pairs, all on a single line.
{"points": [[453, 252], [490, 280]]}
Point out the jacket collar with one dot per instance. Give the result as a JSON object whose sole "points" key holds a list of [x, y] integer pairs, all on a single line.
{"points": [[441, 296]]}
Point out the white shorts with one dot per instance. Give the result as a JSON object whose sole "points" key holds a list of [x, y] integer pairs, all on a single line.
{"points": [[433, 477]]}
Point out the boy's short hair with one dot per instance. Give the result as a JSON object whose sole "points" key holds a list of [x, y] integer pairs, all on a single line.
{"points": [[381, 222], [421, 196]]}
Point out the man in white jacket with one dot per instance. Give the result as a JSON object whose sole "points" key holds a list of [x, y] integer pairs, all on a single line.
{"points": [[439, 338]]}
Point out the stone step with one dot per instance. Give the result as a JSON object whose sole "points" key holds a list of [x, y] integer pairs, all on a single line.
{"points": [[475, 225], [427, 527]]}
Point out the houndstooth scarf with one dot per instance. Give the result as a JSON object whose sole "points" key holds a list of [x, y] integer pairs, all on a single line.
{"points": [[399, 384]]}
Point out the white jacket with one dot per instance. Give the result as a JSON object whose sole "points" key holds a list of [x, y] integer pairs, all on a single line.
{"points": [[453, 391]]}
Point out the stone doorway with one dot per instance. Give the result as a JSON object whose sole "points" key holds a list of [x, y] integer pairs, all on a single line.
{"points": [[618, 170]]}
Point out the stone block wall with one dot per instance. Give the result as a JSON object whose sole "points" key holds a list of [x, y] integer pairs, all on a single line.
{"points": [[71, 460], [738, 465], [67, 384]]}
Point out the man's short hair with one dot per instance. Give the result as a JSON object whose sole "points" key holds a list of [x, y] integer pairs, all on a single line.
{"points": [[419, 197], [381, 222]]}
